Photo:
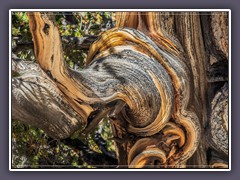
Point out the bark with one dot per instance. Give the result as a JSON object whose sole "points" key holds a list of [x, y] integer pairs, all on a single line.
{"points": [[206, 53], [36, 100], [158, 76]]}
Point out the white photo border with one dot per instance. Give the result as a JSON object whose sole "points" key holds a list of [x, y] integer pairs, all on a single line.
{"points": [[116, 10]]}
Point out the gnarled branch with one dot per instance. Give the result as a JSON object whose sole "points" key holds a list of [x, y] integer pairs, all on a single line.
{"points": [[126, 65], [154, 76]]}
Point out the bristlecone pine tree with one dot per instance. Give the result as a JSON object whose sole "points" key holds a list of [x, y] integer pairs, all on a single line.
{"points": [[161, 78]]}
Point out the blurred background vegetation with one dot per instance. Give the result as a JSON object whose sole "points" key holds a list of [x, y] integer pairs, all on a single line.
{"points": [[31, 147]]}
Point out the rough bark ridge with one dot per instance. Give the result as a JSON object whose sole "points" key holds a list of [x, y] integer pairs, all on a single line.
{"points": [[149, 75], [36, 100]]}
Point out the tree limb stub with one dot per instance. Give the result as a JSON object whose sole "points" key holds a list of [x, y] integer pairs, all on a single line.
{"points": [[36, 100], [123, 64]]}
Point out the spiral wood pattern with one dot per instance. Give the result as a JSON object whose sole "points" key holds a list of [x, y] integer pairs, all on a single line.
{"points": [[125, 65]]}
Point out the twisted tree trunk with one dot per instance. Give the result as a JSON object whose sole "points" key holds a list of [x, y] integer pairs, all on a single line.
{"points": [[154, 76]]}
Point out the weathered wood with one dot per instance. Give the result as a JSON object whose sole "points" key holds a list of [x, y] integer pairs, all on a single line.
{"points": [[218, 122], [135, 70], [37, 101], [158, 32], [216, 41], [151, 76]]}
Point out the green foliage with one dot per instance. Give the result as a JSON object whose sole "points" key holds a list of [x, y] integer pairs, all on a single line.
{"points": [[20, 25], [31, 147], [86, 23], [106, 133], [27, 143], [21, 34]]}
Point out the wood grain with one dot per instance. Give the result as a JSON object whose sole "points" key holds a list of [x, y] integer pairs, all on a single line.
{"points": [[149, 75]]}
